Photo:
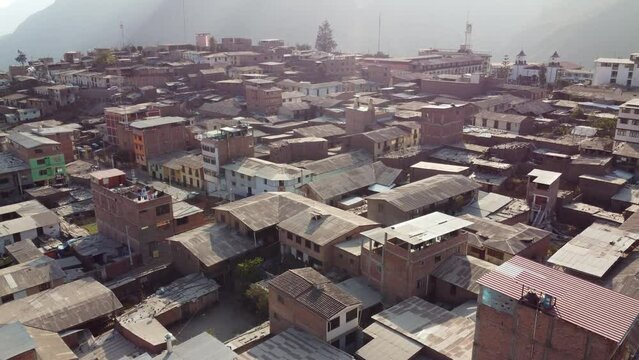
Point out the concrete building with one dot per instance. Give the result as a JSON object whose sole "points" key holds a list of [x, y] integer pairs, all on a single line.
{"points": [[614, 71], [541, 194], [221, 147], [322, 89], [528, 310], [628, 122], [447, 193], [65, 135], [26, 220], [263, 97], [203, 40], [156, 136], [252, 176], [117, 120], [305, 299], [497, 242], [441, 124], [236, 44], [44, 156], [399, 259]]}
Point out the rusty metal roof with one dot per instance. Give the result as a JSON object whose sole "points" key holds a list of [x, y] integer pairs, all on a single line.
{"points": [[579, 302]]}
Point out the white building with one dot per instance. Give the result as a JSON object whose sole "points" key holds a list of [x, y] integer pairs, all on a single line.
{"points": [[310, 89], [87, 79], [252, 176], [220, 147], [26, 220], [617, 71], [521, 69], [628, 122]]}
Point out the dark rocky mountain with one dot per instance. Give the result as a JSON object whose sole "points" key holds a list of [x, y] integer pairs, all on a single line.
{"points": [[579, 29]]}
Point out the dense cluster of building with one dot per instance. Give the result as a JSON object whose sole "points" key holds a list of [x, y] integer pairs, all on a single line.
{"points": [[428, 207]]}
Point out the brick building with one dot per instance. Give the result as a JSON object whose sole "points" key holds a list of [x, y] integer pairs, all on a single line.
{"points": [[528, 310], [135, 214], [399, 259], [305, 299], [441, 124], [382, 141], [263, 97], [294, 150], [156, 136]]}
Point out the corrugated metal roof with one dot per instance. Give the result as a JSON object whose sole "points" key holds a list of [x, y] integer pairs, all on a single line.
{"points": [[387, 345], [427, 227], [294, 344], [510, 239], [544, 177], [579, 302], [463, 271], [432, 326], [595, 250], [39, 271], [428, 191], [63, 307], [214, 243], [355, 179], [339, 162]]}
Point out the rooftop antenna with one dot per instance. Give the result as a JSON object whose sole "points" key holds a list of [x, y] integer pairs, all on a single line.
{"points": [[379, 33], [122, 34], [468, 35]]}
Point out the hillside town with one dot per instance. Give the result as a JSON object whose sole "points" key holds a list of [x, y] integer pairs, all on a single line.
{"points": [[232, 198]]}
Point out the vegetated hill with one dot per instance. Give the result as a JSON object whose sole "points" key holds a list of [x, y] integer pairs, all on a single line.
{"points": [[579, 29]]}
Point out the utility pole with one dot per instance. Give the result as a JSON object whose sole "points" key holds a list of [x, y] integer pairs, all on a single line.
{"points": [[184, 20]]}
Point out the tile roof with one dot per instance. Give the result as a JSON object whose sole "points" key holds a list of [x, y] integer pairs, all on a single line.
{"points": [[579, 302], [315, 291]]}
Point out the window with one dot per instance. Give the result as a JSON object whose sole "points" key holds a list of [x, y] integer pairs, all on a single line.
{"points": [[623, 121], [265, 181], [280, 299], [307, 243], [438, 258], [453, 290], [333, 324], [44, 286], [182, 221], [38, 151], [298, 239], [275, 316], [162, 209], [289, 235], [316, 248], [41, 161], [44, 172], [351, 315]]}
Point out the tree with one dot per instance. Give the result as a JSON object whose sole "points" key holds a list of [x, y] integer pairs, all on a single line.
{"points": [[303, 47], [606, 126], [21, 58], [324, 41], [577, 113], [542, 75], [504, 70], [105, 58], [259, 297], [248, 271]]}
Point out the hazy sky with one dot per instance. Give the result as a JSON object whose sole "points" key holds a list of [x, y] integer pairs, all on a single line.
{"points": [[13, 12]]}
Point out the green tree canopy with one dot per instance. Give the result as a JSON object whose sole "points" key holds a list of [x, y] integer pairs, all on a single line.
{"points": [[324, 41], [21, 58]]}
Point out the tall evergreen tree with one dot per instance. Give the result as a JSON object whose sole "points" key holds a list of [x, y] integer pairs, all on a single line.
{"points": [[324, 41]]}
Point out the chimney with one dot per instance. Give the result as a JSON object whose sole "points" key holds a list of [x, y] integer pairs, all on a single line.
{"points": [[169, 342]]}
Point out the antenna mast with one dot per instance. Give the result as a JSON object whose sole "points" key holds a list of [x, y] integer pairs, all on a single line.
{"points": [[379, 33], [184, 20]]}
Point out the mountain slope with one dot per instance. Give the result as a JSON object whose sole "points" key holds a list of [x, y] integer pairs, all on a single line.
{"points": [[579, 29]]}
